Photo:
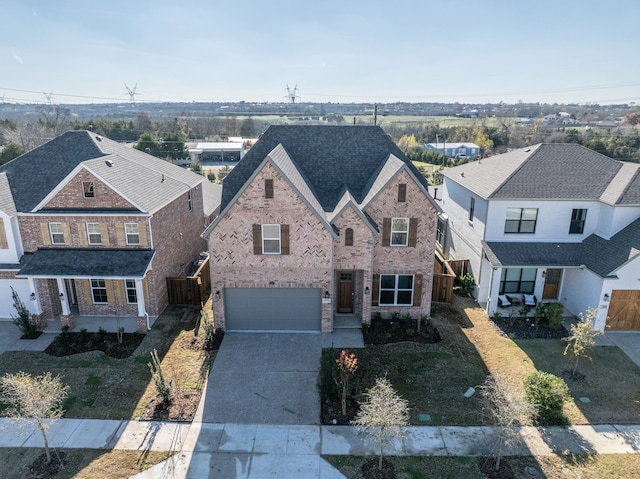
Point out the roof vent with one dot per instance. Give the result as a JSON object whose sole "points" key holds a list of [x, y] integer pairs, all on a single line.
{"points": [[109, 163], [98, 137], [527, 150]]}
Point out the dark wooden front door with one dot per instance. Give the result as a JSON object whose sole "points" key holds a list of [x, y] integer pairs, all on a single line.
{"points": [[551, 283], [345, 292]]}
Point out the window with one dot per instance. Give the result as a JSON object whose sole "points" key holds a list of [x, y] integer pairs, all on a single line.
{"points": [[99, 291], [270, 239], [518, 280], [189, 202], [441, 231], [57, 233], [399, 231], [93, 233], [402, 192], [396, 290], [268, 188], [348, 237], [4, 244], [87, 189], [578, 217], [132, 295], [132, 233], [521, 220], [472, 208]]}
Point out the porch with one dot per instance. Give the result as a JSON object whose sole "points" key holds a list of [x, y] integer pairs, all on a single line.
{"points": [[94, 323]]}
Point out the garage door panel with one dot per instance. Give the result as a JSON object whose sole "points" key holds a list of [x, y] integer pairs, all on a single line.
{"points": [[273, 309], [6, 301], [624, 310]]}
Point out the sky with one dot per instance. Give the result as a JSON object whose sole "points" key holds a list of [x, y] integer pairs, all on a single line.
{"points": [[340, 51]]}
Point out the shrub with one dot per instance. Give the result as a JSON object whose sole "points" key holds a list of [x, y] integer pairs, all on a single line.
{"points": [[211, 335], [467, 284], [347, 366], [328, 373], [548, 394], [554, 315], [23, 320], [163, 385]]}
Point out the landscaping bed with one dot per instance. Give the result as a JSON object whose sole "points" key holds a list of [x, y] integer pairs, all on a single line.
{"points": [[397, 329], [115, 345], [526, 328]]}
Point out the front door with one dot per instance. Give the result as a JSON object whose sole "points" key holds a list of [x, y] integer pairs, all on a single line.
{"points": [[551, 283], [345, 292]]}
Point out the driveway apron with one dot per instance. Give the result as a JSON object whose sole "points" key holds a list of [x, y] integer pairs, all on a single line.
{"points": [[265, 378]]}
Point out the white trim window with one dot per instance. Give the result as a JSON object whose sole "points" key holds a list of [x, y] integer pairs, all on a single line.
{"points": [[93, 233], [132, 233], [132, 294], [270, 239], [57, 233], [99, 291], [399, 231], [396, 290]]}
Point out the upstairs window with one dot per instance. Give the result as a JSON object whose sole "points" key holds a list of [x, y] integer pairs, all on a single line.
{"points": [[348, 237], [271, 239], [472, 208], [578, 217], [521, 220], [132, 233], [93, 233], [132, 295], [399, 231], [441, 231], [268, 188], [87, 189], [57, 233], [402, 193], [189, 202]]}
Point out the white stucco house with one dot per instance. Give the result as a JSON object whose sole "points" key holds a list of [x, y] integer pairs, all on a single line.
{"points": [[557, 221]]}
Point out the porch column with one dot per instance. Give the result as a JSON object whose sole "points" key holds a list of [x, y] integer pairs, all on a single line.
{"points": [[141, 320], [66, 318]]}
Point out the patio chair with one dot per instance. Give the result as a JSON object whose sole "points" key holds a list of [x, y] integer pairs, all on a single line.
{"points": [[503, 301], [530, 300]]}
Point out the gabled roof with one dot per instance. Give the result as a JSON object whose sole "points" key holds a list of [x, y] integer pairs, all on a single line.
{"points": [[545, 171], [147, 181], [330, 159], [603, 257]]}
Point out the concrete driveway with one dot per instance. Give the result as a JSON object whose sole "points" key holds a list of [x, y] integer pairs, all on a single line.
{"points": [[265, 378]]}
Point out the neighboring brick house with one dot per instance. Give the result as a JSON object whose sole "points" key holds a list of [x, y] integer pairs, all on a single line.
{"points": [[318, 221], [93, 227]]}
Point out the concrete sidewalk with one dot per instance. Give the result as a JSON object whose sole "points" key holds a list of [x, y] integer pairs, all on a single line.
{"points": [[251, 451]]}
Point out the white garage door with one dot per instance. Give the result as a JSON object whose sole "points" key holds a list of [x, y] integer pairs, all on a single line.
{"points": [[6, 301], [273, 309]]}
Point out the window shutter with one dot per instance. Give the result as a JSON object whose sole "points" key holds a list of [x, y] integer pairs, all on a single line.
{"points": [[386, 232], [142, 231], [3, 236], [82, 233], [417, 290], [67, 233], [122, 242], [402, 192], [375, 290], [284, 239], [86, 291], [104, 234], [145, 291], [268, 188], [122, 293], [46, 234], [109, 285], [257, 239], [413, 232]]}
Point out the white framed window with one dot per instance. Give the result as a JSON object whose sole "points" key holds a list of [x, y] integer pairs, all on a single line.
{"points": [[132, 294], [93, 233], [57, 233], [270, 239], [396, 290], [521, 220], [399, 231], [87, 189], [132, 233], [99, 291]]}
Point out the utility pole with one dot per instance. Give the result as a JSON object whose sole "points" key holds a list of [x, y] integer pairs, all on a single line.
{"points": [[375, 114]]}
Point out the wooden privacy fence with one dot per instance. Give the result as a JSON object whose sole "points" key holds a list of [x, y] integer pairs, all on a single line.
{"points": [[444, 275], [191, 290]]}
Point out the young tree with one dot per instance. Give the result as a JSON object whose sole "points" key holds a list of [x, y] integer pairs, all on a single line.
{"points": [[383, 414], [347, 366], [23, 320], [582, 339], [37, 399], [164, 386], [509, 409]]}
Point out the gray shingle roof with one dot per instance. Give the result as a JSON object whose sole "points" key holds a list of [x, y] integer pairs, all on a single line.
{"points": [[545, 171], [332, 159], [147, 181], [97, 263], [600, 255]]}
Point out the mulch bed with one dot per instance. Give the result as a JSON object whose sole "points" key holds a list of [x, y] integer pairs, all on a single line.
{"points": [[488, 468], [68, 343], [182, 408], [525, 328], [41, 469], [384, 331], [370, 470]]}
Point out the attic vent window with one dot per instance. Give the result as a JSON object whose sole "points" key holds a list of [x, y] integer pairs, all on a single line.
{"points": [[268, 188], [402, 192], [87, 189]]}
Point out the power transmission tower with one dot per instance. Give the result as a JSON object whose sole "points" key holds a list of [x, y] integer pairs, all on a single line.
{"points": [[48, 96], [132, 93], [291, 95]]}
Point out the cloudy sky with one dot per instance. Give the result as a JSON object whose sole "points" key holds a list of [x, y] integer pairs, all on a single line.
{"points": [[333, 50]]}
